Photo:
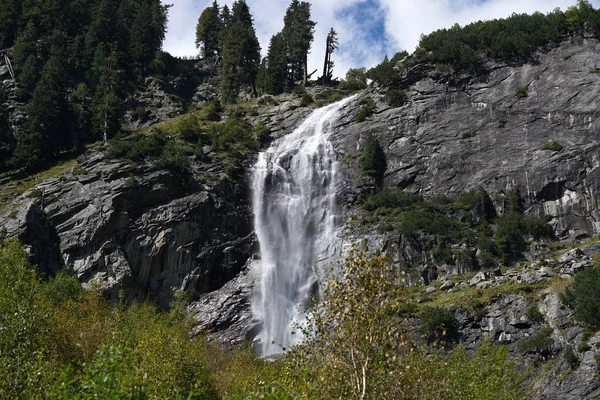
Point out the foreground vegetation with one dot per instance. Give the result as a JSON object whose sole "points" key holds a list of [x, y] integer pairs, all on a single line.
{"points": [[59, 342]]}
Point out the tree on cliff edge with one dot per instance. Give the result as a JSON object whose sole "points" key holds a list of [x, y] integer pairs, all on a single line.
{"points": [[298, 32]]}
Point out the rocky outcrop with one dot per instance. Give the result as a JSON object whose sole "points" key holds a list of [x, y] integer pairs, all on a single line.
{"points": [[138, 228], [489, 127]]}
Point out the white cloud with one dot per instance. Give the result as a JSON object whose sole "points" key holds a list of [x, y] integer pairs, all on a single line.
{"points": [[404, 22]]}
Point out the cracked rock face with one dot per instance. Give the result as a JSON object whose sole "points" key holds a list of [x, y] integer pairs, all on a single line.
{"points": [[489, 127], [147, 231]]}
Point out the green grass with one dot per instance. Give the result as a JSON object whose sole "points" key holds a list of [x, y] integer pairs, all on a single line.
{"points": [[471, 299], [12, 187]]}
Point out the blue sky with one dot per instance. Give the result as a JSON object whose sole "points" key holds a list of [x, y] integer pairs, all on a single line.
{"points": [[367, 29]]}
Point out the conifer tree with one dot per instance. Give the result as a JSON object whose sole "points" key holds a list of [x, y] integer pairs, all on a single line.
{"points": [[331, 45], [47, 128], [9, 17], [299, 32], [105, 104], [7, 139], [241, 53], [209, 31], [104, 27], [226, 19], [276, 65], [147, 33]]}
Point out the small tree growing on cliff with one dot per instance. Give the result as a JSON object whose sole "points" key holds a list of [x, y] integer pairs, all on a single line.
{"points": [[374, 163]]}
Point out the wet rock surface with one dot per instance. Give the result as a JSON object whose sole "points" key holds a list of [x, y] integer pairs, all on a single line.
{"points": [[460, 131]]}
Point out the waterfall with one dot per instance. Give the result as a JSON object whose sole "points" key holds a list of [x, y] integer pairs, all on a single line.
{"points": [[294, 185]]}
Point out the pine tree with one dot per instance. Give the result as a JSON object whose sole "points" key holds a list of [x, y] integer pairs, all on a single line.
{"points": [[147, 33], [331, 45], [104, 27], [47, 128], [226, 20], [276, 65], [241, 53], [209, 31], [299, 32], [7, 139], [80, 102], [105, 104], [262, 77], [9, 17]]}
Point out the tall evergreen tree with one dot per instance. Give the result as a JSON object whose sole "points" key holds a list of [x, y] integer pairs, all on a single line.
{"points": [[10, 11], [105, 104], [80, 102], [226, 19], [104, 27], [147, 33], [7, 139], [209, 31], [331, 45], [276, 65], [299, 32], [241, 53], [47, 128]]}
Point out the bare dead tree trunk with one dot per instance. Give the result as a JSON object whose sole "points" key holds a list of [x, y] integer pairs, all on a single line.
{"points": [[305, 69]]}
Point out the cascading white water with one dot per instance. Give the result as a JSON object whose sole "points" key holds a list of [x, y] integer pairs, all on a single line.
{"points": [[294, 184]]}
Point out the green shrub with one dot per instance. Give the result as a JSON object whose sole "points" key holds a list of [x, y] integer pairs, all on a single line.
{"points": [[488, 374], [571, 358], [188, 127], [266, 100], [367, 109], [438, 324], [211, 111], [173, 159], [583, 297], [140, 114], [541, 343], [385, 73], [62, 288], [395, 97], [299, 90], [21, 320], [262, 133], [235, 135], [468, 135], [386, 198], [356, 79], [307, 100], [478, 201], [534, 314], [522, 93], [138, 147], [511, 230], [552, 146]]}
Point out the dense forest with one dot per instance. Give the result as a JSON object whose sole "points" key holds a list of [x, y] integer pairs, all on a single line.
{"points": [[231, 38], [75, 61], [515, 37]]}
